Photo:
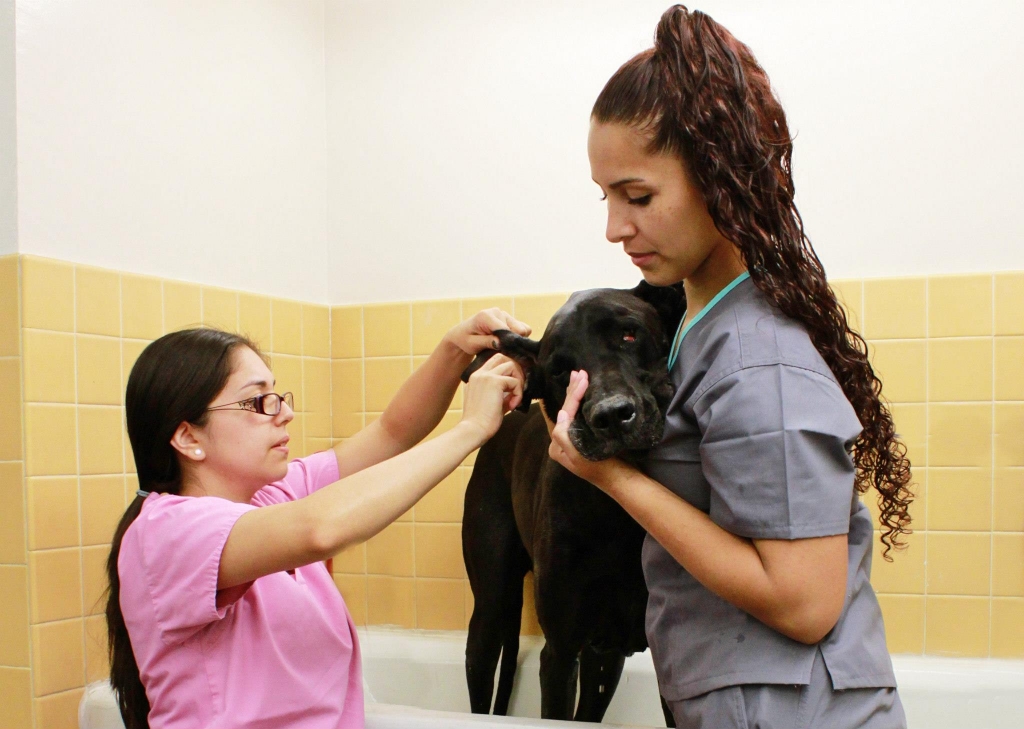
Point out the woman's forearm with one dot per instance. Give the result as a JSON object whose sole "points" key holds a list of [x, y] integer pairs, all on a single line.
{"points": [[425, 396], [732, 567], [361, 505]]}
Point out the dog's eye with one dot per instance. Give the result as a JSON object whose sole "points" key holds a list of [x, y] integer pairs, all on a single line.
{"points": [[629, 336]]}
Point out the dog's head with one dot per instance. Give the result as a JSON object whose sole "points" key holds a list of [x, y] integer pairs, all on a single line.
{"points": [[621, 337]]}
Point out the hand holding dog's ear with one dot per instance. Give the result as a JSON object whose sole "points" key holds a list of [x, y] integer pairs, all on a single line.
{"points": [[477, 333]]}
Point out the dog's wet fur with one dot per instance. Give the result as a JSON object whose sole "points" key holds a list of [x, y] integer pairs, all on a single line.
{"points": [[525, 512]]}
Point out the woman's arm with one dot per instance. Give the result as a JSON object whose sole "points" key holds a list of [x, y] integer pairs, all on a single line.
{"points": [[285, 536], [796, 587], [424, 398]]}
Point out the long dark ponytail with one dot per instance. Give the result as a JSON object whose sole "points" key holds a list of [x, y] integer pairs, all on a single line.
{"points": [[700, 94], [173, 381]]}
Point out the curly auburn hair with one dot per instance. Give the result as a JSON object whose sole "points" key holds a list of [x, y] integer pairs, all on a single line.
{"points": [[700, 94]]}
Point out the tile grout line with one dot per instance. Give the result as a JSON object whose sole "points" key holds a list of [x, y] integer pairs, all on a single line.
{"points": [[78, 464], [992, 465], [927, 456]]}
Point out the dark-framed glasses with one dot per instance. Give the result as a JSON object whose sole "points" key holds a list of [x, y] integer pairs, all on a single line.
{"points": [[266, 404]]}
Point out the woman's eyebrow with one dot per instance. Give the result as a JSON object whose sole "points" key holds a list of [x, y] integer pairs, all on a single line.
{"points": [[626, 181], [259, 383]]}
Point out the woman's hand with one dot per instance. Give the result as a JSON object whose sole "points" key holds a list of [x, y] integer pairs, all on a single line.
{"points": [[477, 333], [492, 391], [564, 452]]}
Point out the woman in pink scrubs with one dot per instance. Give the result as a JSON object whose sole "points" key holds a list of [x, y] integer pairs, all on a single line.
{"points": [[221, 612]]}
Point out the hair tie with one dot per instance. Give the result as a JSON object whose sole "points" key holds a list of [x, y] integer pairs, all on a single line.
{"points": [[142, 493]]}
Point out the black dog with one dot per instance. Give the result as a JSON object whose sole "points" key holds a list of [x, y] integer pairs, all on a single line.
{"points": [[523, 511]]}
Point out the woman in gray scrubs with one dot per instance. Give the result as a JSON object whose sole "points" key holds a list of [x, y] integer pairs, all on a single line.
{"points": [[759, 550]]}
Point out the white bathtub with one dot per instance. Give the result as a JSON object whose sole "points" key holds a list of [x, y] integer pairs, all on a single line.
{"points": [[416, 680]]}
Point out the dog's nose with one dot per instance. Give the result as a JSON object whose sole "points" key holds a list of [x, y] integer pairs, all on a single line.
{"points": [[613, 413]]}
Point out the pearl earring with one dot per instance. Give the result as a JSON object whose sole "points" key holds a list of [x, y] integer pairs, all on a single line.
{"points": [[198, 452]]}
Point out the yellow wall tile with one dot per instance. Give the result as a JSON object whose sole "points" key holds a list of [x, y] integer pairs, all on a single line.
{"points": [[286, 326], [388, 329], [958, 563], [900, 365], [905, 574], [16, 690], [58, 661], [956, 626], [288, 373], [12, 516], [55, 584], [911, 426], [440, 605], [383, 379], [142, 315], [960, 306], [850, 293], [254, 319], [346, 332], [959, 435], [904, 622], [183, 307], [353, 592], [316, 331], [390, 601], [346, 386], [52, 512], [13, 616], [220, 308], [99, 437], [345, 425], [97, 301], [391, 552], [1010, 367], [10, 319], [1008, 500], [316, 444], [352, 561], [51, 442], [97, 665], [10, 424], [443, 503], [894, 308], [49, 366], [316, 385], [536, 311], [99, 370], [439, 551], [297, 431], [1009, 434], [102, 507], [1007, 627], [47, 294], [960, 499], [1008, 565], [59, 711], [1009, 296], [959, 369], [431, 320], [94, 578]]}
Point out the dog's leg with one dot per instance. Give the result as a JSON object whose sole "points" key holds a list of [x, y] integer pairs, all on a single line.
{"points": [[599, 677], [559, 671], [511, 622]]}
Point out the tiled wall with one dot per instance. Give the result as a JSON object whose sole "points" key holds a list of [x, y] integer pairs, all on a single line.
{"points": [[80, 331], [950, 351]]}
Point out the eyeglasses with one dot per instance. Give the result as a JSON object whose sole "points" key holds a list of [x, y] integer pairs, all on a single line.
{"points": [[267, 404]]}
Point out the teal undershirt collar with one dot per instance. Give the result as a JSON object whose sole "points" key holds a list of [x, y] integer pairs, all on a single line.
{"points": [[677, 341]]}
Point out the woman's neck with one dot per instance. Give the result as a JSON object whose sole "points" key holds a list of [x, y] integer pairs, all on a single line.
{"points": [[717, 271]]}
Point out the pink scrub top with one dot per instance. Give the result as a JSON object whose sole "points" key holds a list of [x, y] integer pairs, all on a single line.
{"points": [[280, 652]]}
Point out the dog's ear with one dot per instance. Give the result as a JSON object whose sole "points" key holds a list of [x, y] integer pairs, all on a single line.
{"points": [[668, 301], [524, 351]]}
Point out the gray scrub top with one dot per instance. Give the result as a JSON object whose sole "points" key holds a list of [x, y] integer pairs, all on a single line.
{"points": [[757, 436]]}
